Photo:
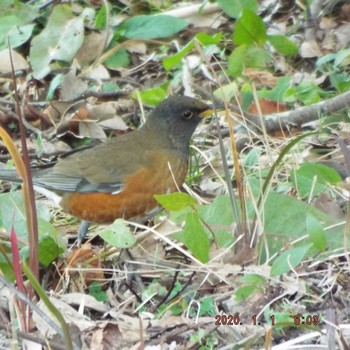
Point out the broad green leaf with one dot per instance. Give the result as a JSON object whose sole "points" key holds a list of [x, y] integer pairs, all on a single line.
{"points": [[244, 292], [18, 35], [285, 219], [252, 283], [60, 40], [218, 215], [54, 84], [253, 278], [247, 56], [283, 45], [203, 38], [206, 39], [341, 57], [316, 232], [13, 215], [249, 29], [153, 97], [195, 237], [119, 59], [233, 8], [175, 201], [51, 243], [15, 22], [96, 291], [276, 94], [343, 86], [118, 235], [101, 18], [208, 307], [151, 27], [226, 92], [172, 61], [288, 259], [252, 158], [306, 92], [325, 59], [314, 177]]}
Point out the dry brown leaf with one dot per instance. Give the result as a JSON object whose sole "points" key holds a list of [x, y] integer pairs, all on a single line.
{"points": [[262, 78], [89, 301], [342, 34], [135, 46], [72, 86], [19, 62], [329, 206], [105, 336], [93, 45], [310, 49], [71, 316], [99, 72], [82, 268], [267, 107]]}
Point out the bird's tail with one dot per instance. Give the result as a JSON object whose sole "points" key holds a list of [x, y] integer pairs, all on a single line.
{"points": [[9, 175]]}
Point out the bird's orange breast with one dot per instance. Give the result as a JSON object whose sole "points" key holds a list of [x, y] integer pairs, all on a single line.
{"points": [[137, 197]]}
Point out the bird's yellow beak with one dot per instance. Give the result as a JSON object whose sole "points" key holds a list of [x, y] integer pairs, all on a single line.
{"points": [[210, 111]]}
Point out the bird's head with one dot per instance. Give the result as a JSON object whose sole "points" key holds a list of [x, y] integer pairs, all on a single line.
{"points": [[176, 118]]}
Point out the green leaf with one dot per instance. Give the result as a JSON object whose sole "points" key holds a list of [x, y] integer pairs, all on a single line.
{"points": [[51, 244], [203, 38], [285, 218], [54, 84], [101, 18], [249, 29], [195, 237], [15, 22], [306, 92], [13, 215], [233, 8], [253, 279], [60, 40], [283, 45], [153, 97], [247, 56], [151, 27], [316, 232], [313, 178], [208, 307], [175, 201], [119, 59], [244, 292], [226, 92], [341, 56], [95, 290], [172, 61], [276, 94], [19, 35], [252, 158], [119, 235], [288, 259], [218, 215]]}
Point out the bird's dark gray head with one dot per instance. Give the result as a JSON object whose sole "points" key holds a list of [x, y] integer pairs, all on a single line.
{"points": [[176, 118]]}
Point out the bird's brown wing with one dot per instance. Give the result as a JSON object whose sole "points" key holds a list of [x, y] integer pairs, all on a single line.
{"points": [[99, 169]]}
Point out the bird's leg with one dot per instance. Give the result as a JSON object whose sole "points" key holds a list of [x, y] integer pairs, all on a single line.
{"points": [[82, 231]]}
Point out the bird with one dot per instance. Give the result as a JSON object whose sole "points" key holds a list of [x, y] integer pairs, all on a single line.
{"points": [[119, 178]]}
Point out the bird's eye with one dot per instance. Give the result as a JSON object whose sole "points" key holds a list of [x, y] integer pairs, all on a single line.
{"points": [[187, 115]]}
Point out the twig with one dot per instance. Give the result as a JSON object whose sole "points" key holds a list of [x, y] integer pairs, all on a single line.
{"points": [[24, 335]]}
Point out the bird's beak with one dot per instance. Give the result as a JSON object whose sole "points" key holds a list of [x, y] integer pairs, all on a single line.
{"points": [[207, 113], [210, 111]]}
